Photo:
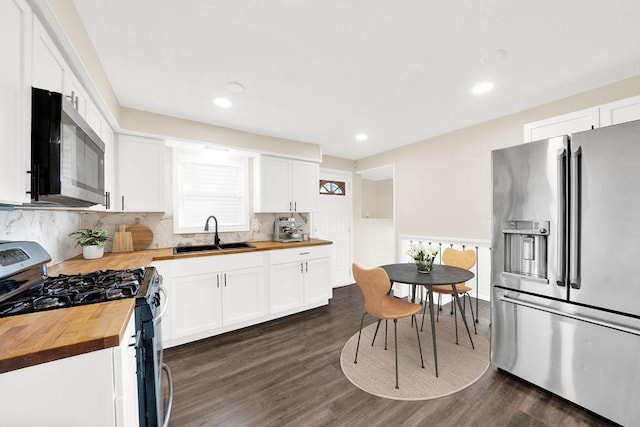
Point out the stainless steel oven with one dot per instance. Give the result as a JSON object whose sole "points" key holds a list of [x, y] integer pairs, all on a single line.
{"points": [[151, 368]]}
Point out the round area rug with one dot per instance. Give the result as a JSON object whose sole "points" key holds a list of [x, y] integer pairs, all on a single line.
{"points": [[459, 366]]}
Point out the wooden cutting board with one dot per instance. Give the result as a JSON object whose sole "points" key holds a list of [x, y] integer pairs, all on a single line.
{"points": [[142, 235], [122, 241]]}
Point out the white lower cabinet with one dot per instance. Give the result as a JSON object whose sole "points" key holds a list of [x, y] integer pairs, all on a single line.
{"points": [[299, 277], [98, 388], [210, 295]]}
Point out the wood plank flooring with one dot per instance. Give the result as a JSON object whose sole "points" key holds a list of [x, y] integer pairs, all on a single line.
{"points": [[287, 373]]}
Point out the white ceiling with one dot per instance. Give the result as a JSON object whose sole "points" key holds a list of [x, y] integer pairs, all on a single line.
{"points": [[322, 71]]}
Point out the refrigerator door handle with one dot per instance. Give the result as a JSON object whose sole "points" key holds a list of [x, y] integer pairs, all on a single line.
{"points": [[571, 315], [574, 220], [562, 215]]}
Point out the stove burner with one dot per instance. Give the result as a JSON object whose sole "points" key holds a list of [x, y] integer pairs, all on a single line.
{"points": [[68, 290], [47, 302]]}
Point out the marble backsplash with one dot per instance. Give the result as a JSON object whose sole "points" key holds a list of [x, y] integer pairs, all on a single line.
{"points": [[51, 229]]}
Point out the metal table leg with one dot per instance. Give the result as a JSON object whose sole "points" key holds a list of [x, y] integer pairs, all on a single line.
{"points": [[433, 329]]}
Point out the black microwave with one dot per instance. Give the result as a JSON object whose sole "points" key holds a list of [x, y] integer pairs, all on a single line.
{"points": [[67, 156]]}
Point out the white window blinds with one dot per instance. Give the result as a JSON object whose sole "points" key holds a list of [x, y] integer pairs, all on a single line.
{"points": [[210, 183]]}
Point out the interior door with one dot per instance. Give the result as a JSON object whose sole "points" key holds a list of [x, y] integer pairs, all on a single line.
{"points": [[333, 222], [606, 265]]}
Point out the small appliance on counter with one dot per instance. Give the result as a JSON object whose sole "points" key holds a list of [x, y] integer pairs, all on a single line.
{"points": [[287, 230]]}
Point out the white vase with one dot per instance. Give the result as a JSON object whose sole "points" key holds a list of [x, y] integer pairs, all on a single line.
{"points": [[92, 251]]}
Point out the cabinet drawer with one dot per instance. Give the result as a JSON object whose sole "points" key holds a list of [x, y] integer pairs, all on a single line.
{"points": [[212, 263], [281, 256]]}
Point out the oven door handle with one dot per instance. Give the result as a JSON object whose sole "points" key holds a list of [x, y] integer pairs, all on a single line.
{"points": [[164, 306], [167, 413]]}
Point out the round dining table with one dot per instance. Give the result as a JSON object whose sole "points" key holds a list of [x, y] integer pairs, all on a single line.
{"points": [[439, 275]]}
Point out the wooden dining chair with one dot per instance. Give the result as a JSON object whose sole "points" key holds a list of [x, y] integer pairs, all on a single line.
{"points": [[374, 284], [463, 259]]}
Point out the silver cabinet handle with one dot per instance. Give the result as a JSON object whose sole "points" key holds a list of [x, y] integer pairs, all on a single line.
{"points": [[306, 263], [574, 212], [122, 202], [225, 280]]}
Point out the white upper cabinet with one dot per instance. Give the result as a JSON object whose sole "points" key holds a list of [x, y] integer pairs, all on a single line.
{"points": [[625, 110], [305, 179], [15, 102], [613, 113], [285, 185], [49, 67], [577, 121], [140, 172]]}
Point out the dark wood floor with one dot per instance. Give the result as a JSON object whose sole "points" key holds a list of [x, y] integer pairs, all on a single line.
{"points": [[287, 372]]}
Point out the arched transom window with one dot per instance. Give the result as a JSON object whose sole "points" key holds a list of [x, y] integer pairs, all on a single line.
{"points": [[336, 188]]}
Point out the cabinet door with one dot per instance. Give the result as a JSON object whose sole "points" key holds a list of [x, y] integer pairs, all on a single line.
{"points": [[272, 184], [196, 304], [49, 67], [140, 174], [285, 286], [304, 186], [577, 121], [243, 295], [106, 135], [15, 102], [126, 379], [317, 280], [625, 110]]}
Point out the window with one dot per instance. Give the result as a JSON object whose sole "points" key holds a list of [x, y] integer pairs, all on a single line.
{"points": [[210, 182], [336, 188]]}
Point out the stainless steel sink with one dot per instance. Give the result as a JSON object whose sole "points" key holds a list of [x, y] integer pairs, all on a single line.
{"points": [[212, 248]]}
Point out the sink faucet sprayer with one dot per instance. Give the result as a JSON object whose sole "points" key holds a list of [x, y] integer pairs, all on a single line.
{"points": [[216, 239]]}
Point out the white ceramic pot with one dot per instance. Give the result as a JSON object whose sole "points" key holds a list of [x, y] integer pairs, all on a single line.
{"points": [[92, 251]]}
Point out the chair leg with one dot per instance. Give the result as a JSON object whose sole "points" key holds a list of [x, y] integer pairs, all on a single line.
{"points": [[439, 307], [359, 335], [395, 334], [375, 333], [385, 334], [419, 345], [475, 330]]}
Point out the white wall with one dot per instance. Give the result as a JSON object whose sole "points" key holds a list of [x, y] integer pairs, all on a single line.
{"points": [[458, 166]]}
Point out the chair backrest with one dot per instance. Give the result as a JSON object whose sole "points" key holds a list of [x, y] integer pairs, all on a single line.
{"points": [[374, 284], [463, 259]]}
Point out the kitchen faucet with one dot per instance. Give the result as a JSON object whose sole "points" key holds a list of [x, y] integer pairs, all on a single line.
{"points": [[216, 239]]}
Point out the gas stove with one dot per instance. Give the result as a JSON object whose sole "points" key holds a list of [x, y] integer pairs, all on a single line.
{"points": [[78, 289], [26, 288]]}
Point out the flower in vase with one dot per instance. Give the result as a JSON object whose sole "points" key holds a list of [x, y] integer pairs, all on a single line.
{"points": [[422, 254]]}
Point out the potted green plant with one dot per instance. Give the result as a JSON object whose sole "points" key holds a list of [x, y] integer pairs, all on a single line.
{"points": [[92, 242]]}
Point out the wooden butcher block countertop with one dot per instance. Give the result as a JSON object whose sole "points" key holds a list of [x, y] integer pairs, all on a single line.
{"points": [[34, 338]]}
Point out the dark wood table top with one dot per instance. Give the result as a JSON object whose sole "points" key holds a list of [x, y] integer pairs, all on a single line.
{"points": [[439, 274]]}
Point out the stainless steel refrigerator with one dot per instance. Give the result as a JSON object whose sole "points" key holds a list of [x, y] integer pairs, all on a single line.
{"points": [[565, 267]]}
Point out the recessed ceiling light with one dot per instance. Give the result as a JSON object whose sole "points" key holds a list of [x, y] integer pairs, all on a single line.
{"points": [[481, 88], [235, 87], [362, 137], [493, 56], [222, 103]]}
